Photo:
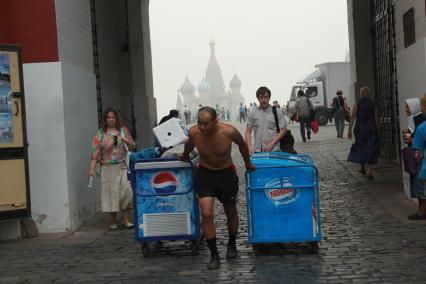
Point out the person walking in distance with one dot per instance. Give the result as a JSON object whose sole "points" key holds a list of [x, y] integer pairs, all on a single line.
{"points": [[216, 176], [242, 112], [340, 108], [302, 108], [187, 114]]}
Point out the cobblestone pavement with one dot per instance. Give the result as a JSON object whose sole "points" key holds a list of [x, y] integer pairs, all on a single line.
{"points": [[364, 241]]}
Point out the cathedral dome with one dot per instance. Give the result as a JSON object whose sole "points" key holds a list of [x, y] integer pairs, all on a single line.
{"points": [[187, 87], [204, 86], [235, 82]]}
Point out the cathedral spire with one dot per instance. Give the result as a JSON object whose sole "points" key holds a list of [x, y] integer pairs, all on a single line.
{"points": [[214, 74]]}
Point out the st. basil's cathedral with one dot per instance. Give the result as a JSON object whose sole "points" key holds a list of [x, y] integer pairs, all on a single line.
{"points": [[211, 90]]}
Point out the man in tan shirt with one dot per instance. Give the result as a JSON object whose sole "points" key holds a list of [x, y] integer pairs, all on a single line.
{"points": [[262, 121]]}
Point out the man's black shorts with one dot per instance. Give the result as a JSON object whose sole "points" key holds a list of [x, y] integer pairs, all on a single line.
{"points": [[222, 184]]}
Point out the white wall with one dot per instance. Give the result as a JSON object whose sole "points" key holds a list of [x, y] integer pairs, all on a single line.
{"points": [[411, 66], [79, 102], [402, 6], [80, 120], [46, 151]]}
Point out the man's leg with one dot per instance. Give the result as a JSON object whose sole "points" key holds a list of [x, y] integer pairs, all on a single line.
{"points": [[209, 230], [308, 128], [232, 222], [302, 129], [336, 124]]}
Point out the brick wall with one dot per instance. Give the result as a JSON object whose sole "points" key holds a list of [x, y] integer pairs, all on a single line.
{"points": [[402, 6], [31, 24]]}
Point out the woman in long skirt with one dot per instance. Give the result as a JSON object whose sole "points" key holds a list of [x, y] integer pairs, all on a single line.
{"points": [[365, 151]]}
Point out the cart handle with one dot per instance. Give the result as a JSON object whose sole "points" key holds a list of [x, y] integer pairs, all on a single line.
{"points": [[162, 194], [281, 187], [293, 158]]}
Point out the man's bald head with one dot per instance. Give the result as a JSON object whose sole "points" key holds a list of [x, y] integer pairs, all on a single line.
{"points": [[208, 110], [423, 99]]}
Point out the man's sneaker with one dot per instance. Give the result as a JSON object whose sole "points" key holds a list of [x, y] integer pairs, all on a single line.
{"points": [[231, 251], [214, 262]]}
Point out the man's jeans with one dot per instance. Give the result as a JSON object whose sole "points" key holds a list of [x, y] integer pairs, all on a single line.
{"points": [[305, 122], [242, 117], [339, 122]]}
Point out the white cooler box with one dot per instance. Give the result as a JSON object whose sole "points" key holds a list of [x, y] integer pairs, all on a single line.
{"points": [[170, 133]]}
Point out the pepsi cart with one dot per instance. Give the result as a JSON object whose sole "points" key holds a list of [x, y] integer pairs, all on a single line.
{"points": [[282, 198], [165, 206]]}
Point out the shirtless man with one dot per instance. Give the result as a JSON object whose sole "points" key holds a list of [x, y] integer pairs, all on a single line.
{"points": [[216, 176]]}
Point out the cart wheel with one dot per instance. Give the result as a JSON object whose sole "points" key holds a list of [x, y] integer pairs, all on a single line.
{"points": [[145, 249], [256, 249], [194, 248], [314, 247]]}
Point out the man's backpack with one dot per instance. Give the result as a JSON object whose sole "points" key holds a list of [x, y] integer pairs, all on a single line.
{"points": [[287, 142]]}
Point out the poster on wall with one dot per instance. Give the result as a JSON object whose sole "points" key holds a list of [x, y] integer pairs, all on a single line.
{"points": [[6, 131]]}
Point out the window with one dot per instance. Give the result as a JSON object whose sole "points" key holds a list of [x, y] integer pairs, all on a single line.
{"points": [[311, 92], [293, 95], [409, 27]]}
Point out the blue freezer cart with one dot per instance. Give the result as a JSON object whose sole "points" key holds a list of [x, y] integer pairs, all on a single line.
{"points": [[165, 206], [283, 200]]}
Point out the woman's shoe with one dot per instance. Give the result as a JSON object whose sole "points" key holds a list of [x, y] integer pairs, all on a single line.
{"points": [[362, 171], [113, 227], [128, 226], [417, 216], [370, 177]]}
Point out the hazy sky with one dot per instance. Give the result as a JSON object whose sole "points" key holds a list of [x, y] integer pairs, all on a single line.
{"points": [[265, 42]]}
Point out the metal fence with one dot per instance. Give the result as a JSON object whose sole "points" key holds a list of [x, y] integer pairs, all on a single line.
{"points": [[386, 95]]}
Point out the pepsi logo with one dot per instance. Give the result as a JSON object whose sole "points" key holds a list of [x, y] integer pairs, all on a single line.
{"points": [[164, 183], [281, 192]]}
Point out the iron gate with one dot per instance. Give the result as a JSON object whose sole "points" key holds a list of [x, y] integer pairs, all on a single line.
{"points": [[386, 95]]}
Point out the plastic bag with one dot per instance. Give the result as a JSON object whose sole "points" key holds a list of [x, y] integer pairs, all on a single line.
{"points": [[314, 126], [409, 160]]}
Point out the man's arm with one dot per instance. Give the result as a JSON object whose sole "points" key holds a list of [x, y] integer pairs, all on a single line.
{"points": [[351, 121], [244, 150], [276, 139], [188, 147], [248, 131]]}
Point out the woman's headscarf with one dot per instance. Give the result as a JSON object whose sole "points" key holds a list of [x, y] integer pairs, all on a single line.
{"points": [[414, 106]]}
